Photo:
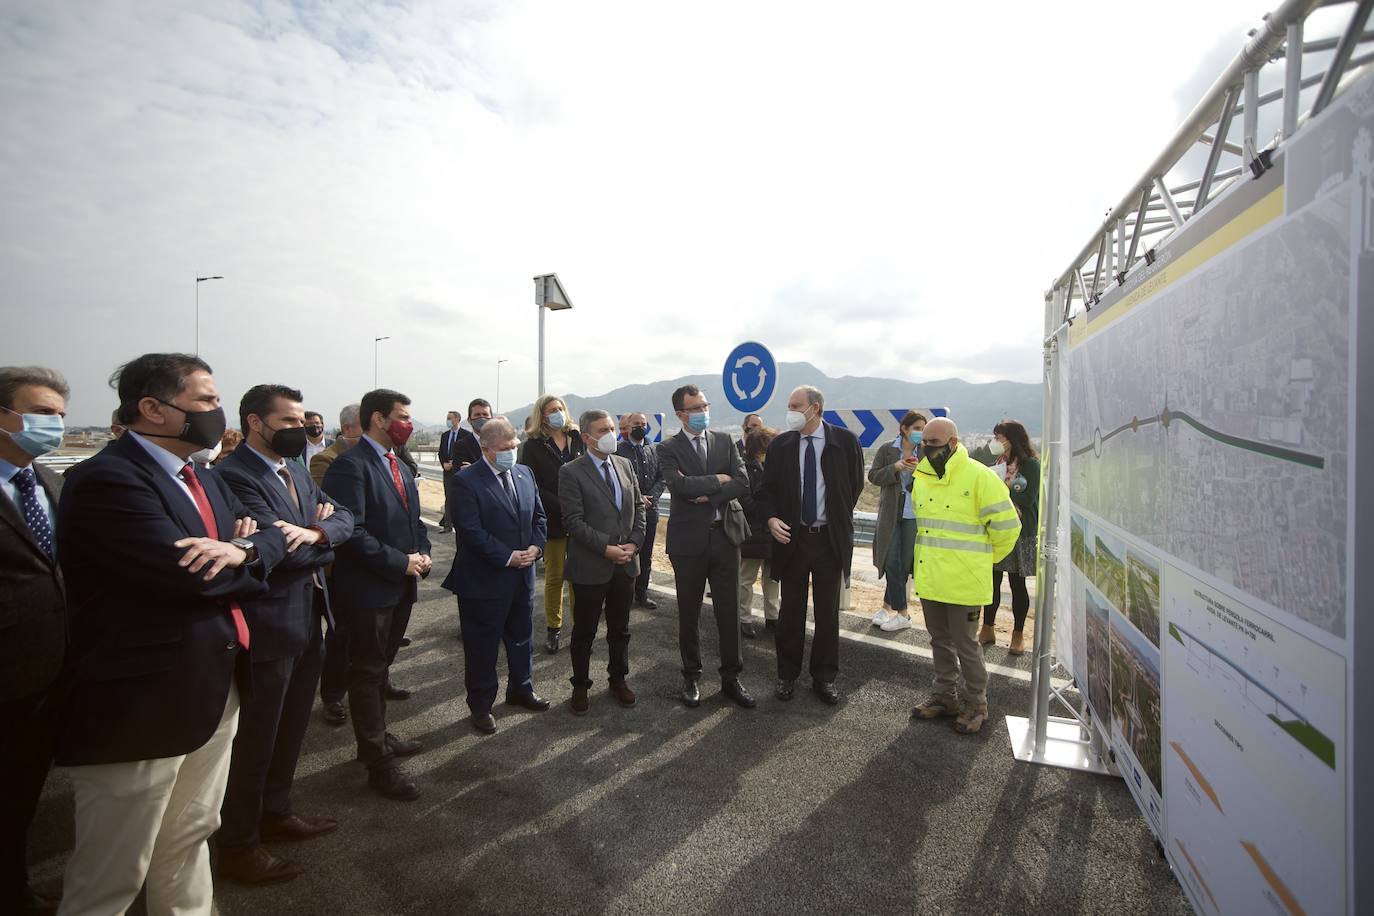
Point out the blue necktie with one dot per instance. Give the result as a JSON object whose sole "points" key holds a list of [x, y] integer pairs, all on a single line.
{"points": [[34, 513], [809, 483]]}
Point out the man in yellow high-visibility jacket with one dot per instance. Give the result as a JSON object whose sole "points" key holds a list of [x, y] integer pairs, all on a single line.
{"points": [[965, 522]]}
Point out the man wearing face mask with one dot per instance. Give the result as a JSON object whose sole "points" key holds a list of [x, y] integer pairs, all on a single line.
{"points": [[376, 575], [603, 513], [706, 476], [285, 623], [812, 477], [468, 449], [315, 442], [33, 635], [350, 431], [965, 522], [643, 456], [501, 534], [158, 560]]}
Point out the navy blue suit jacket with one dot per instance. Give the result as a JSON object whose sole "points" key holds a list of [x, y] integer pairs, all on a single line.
{"points": [[489, 530], [153, 647], [370, 567], [281, 622]]}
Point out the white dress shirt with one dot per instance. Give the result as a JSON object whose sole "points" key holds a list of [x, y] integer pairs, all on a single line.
{"points": [[819, 437]]}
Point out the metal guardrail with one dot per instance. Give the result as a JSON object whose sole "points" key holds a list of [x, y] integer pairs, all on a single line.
{"points": [[61, 463]]}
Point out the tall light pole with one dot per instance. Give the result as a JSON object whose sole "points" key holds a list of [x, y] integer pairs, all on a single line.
{"points": [[548, 294], [199, 281], [497, 411], [375, 341]]}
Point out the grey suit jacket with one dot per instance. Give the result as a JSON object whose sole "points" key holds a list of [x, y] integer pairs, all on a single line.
{"points": [[593, 522], [689, 522], [33, 602]]}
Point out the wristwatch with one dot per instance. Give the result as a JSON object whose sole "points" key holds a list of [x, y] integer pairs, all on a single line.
{"points": [[248, 547]]}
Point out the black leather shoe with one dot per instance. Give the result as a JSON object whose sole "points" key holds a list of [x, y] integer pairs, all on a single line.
{"points": [[401, 747], [691, 693], [296, 827], [735, 691], [647, 603], [484, 723], [746, 629], [770, 624], [785, 690], [551, 644], [405, 640], [335, 714], [396, 693], [255, 867], [827, 693], [531, 701], [392, 783]]}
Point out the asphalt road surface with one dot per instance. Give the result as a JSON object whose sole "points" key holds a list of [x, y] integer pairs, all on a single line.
{"points": [[787, 808]]}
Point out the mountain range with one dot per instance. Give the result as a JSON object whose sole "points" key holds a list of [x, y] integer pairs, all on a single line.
{"points": [[976, 407]]}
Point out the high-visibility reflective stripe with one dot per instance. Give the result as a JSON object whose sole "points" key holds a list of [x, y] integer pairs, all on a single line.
{"points": [[1003, 506], [1005, 524], [961, 527], [950, 544]]}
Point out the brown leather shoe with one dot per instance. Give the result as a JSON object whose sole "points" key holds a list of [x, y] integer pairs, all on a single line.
{"points": [[256, 866], [987, 636], [296, 827], [622, 693], [580, 703]]}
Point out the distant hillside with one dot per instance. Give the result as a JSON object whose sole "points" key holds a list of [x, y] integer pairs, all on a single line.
{"points": [[975, 407]]}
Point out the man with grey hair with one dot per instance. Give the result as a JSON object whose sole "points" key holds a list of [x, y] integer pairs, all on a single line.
{"points": [[334, 674], [812, 479], [501, 530], [33, 402], [603, 513]]}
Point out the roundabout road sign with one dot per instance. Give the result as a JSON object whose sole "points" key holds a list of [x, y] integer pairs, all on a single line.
{"points": [[750, 376]]}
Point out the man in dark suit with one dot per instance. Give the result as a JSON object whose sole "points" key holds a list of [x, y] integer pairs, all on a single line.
{"points": [[468, 449], [812, 478], [501, 533], [334, 675], [287, 641], [157, 559], [376, 576], [33, 625], [603, 513], [634, 446], [448, 442], [706, 476], [315, 442]]}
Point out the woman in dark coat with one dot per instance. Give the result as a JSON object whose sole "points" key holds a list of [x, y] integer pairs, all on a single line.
{"points": [[1020, 467], [755, 551]]}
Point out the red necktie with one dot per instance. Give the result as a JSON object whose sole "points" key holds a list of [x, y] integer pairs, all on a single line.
{"points": [[396, 476], [207, 518]]}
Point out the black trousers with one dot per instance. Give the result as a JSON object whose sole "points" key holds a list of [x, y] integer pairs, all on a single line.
{"points": [[29, 725], [1020, 600], [374, 636], [719, 565], [443, 519], [487, 625], [814, 567], [334, 670], [272, 726], [588, 603], [646, 553]]}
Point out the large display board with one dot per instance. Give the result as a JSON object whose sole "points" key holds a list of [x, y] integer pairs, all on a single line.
{"points": [[1212, 528]]}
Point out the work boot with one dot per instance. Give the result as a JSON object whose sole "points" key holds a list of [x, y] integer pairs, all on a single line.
{"points": [[972, 719], [986, 636], [1018, 644], [935, 707]]}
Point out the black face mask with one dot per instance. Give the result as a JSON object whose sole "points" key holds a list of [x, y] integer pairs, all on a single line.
{"points": [[938, 458], [638, 433], [314, 432], [289, 441], [202, 427]]}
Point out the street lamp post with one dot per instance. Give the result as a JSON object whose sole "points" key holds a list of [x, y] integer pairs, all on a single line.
{"points": [[548, 295], [199, 281], [497, 411], [375, 341]]}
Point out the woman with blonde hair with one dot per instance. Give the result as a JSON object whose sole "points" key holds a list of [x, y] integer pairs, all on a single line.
{"points": [[551, 441]]}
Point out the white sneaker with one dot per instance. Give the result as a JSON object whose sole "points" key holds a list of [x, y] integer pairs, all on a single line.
{"points": [[896, 623], [882, 617]]}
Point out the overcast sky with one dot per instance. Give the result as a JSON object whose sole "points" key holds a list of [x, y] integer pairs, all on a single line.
{"points": [[877, 189]]}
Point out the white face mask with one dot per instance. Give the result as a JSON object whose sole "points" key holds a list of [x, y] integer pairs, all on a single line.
{"points": [[606, 444], [996, 447], [207, 455], [795, 419]]}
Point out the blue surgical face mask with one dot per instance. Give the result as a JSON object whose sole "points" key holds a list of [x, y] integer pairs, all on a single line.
{"points": [[504, 460], [699, 421], [914, 437], [41, 434], [556, 420]]}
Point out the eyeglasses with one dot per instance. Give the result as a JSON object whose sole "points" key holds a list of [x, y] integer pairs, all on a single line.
{"points": [[700, 408]]}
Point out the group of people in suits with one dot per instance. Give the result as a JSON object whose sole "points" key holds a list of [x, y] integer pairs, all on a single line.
{"points": [[165, 625]]}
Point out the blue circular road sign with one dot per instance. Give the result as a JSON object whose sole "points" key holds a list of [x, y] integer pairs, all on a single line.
{"points": [[750, 376]]}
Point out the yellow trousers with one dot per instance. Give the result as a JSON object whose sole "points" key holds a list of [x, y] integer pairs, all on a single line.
{"points": [[555, 554]]}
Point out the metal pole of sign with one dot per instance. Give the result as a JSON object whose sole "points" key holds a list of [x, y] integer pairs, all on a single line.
{"points": [[543, 297]]}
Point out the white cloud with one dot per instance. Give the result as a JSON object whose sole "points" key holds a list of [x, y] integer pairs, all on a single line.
{"points": [[872, 188]]}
